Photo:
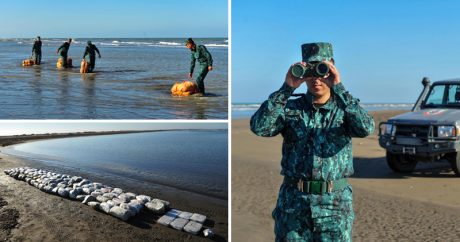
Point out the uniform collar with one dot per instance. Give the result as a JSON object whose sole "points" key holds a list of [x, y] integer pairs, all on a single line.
{"points": [[329, 105]]}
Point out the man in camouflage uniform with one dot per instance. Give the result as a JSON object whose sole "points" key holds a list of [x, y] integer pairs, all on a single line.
{"points": [[315, 200], [63, 51], [200, 53], [37, 51], [90, 51]]}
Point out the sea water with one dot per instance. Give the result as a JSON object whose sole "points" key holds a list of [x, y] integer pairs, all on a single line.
{"points": [[191, 160], [132, 80], [246, 110]]}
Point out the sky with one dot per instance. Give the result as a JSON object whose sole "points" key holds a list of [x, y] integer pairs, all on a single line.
{"points": [[382, 49], [119, 19], [41, 127]]}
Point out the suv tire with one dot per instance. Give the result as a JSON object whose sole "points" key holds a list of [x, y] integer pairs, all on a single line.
{"points": [[454, 160], [400, 163]]}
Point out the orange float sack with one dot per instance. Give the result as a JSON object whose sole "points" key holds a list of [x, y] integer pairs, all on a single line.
{"points": [[186, 88], [84, 66], [59, 64], [28, 62]]}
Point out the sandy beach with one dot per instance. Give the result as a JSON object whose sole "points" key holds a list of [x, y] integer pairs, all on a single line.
{"points": [[422, 206], [28, 214]]}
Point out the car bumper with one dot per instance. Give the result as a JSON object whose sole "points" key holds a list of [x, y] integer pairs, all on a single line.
{"points": [[425, 149]]}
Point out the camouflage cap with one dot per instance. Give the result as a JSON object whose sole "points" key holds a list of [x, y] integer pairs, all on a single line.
{"points": [[320, 51]]}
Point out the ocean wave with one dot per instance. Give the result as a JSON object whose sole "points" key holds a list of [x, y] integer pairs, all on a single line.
{"points": [[174, 43], [385, 106], [168, 43], [108, 44], [367, 106], [216, 45], [245, 107]]}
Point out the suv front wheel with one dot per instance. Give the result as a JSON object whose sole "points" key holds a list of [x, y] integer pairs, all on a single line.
{"points": [[454, 160], [401, 163]]}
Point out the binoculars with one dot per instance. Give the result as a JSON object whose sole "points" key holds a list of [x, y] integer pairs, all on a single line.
{"points": [[319, 69]]}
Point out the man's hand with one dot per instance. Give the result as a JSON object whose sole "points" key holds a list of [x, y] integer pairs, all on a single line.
{"points": [[190, 75], [334, 75], [293, 81], [209, 68]]}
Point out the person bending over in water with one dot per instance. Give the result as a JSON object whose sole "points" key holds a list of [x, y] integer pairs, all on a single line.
{"points": [[63, 50], [90, 51], [200, 53]]}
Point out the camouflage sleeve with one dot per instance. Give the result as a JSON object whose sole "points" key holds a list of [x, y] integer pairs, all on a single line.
{"points": [[360, 123], [86, 52], [269, 119], [207, 55], [192, 63], [60, 47], [97, 50]]}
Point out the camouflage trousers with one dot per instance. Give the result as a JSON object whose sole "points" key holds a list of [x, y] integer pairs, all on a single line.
{"points": [[308, 217], [203, 71], [37, 55]]}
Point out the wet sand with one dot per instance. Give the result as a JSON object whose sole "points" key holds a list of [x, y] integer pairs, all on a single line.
{"points": [[422, 206], [28, 214]]}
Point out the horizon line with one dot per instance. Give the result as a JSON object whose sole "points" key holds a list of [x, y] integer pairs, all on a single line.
{"points": [[116, 37]]}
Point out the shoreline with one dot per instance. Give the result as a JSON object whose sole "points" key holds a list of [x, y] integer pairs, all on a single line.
{"points": [[29, 158], [419, 206], [137, 228], [19, 139]]}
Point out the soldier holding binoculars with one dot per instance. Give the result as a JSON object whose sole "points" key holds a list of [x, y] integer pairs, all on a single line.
{"points": [[315, 199]]}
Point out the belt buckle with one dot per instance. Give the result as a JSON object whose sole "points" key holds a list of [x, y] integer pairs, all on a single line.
{"points": [[315, 187], [330, 186]]}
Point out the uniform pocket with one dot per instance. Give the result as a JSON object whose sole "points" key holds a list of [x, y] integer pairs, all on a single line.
{"points": [[295, 126]]}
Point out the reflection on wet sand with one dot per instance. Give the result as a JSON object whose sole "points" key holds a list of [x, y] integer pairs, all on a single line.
{"points": [[37, 90], [89, 84], [63, 81]]}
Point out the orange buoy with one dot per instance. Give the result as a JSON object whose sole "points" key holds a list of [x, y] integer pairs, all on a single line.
{"points": [[28, 62], [186, 88], [84, 67], [59, 63]]}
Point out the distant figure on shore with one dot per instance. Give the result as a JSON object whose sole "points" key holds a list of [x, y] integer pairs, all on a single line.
{"points": [[200, 53], [315, 201], [63, 50], [37, 51], [90, 51]]}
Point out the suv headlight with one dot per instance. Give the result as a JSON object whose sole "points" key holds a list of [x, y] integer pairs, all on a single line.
{"points": [[387, 129], [446, 131]]}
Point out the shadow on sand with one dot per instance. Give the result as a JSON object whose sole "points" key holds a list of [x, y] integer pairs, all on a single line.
{"points": [[145, 220], [377, 168]]}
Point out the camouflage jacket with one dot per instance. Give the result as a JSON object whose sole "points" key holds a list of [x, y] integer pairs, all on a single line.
{"points": [[64, 48], [202, 55], [317, 141]]}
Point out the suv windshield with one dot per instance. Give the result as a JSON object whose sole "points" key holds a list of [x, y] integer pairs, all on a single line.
{"points": [[444, 96]]}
